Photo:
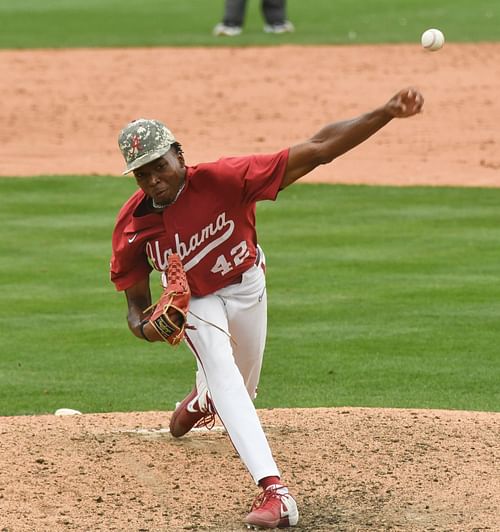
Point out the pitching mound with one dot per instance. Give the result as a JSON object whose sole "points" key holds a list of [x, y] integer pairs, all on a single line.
{"points": [[350, 470]]}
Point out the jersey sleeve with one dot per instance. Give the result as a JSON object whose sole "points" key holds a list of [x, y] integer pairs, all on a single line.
{"points": [[129, 263], [264, 176], [258, 177]]}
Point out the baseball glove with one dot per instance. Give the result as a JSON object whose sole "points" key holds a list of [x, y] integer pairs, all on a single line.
{"points": [[170, 313]]}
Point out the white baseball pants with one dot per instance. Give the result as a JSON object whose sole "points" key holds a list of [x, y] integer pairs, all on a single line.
{"points": [[230, 369]]}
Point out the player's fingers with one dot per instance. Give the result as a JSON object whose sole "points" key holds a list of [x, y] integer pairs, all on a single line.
{"points": [[418, 101], [400, 104], [414, 100]]}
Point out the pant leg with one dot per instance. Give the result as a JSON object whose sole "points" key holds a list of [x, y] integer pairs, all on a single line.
{"points": [[274, 11], [247, 313], [226, 385], [249, 349], [249, 342], [234, 12]]}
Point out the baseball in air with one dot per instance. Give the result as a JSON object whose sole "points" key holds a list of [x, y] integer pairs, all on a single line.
{"points": [[432, 39]]}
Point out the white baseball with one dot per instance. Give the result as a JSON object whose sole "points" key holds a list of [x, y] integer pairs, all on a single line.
{"points": [[432, 39]]}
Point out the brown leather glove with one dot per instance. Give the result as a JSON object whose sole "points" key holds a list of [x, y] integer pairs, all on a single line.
{"points": [[169, 317]]}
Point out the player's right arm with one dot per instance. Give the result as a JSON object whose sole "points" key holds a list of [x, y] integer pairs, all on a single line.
{"points": [[337, 138], [138, 300]]}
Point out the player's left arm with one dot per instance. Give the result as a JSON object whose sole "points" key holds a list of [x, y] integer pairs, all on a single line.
{"points": [[138, 300], [338, 138]]}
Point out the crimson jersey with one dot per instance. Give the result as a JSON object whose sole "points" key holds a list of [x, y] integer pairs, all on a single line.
{"points": [[211, 225]]}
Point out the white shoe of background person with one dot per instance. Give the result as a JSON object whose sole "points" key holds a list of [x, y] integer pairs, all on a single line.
{"points": [[286, 27], [221, 30]]}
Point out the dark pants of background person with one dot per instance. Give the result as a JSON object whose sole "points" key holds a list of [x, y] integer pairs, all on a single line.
{"points": [[273, 11]]}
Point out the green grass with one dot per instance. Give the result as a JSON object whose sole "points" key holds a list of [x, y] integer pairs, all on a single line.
{"points": [[377, 297], [77, 23]]}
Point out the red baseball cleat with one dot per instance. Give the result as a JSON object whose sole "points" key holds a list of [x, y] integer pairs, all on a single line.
{"points": [[196, 410], [273, 508]]}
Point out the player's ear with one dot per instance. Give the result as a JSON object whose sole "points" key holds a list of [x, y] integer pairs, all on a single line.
{"points": [[180, 154]]}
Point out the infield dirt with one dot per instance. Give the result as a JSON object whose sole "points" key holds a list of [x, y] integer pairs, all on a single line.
{"points": [[62, 109], [351, 469]]}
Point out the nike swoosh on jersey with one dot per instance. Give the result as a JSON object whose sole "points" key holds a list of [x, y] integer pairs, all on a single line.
{"points": [[132, 238]]}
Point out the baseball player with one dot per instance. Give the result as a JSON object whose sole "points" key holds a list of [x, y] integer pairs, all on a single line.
{"points": [[204, 215], [273, 11]]}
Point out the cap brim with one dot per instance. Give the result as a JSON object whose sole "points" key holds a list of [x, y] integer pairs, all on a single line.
{"points": [[145, 159]]}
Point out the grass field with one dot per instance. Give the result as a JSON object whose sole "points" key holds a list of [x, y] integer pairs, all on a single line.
{"points": [[68, 23], [378, 297]]}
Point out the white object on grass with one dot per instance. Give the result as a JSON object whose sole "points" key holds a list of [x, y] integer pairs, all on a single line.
{"points": [[66, 412]]}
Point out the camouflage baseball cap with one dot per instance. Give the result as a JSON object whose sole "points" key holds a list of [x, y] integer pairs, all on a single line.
{"points": [[143, 141]]}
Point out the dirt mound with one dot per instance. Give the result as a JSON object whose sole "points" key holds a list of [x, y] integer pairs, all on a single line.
{"points": [[350, 469]]}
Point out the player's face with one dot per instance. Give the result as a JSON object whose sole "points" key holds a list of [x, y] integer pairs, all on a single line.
{"points": [[162, 178]]}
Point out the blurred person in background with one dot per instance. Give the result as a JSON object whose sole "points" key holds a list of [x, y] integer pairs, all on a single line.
{"points": [[273, 11]]}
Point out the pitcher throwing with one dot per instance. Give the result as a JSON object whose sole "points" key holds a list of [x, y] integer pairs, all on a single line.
{"points": [[203, 217]]}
